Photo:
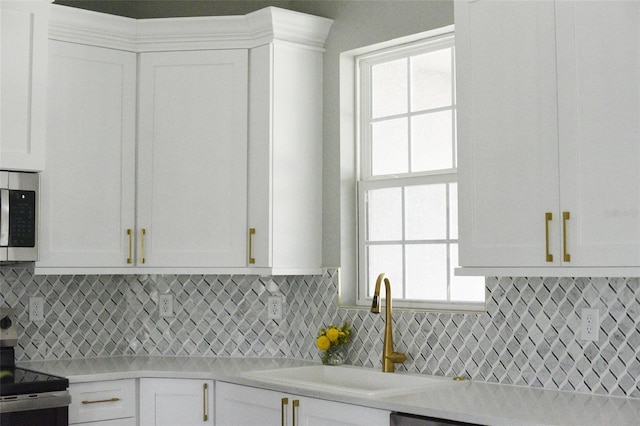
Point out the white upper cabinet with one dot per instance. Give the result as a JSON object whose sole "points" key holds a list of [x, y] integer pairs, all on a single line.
{"points": [[88, 188], [192, 158], [507, 130], [23, 84], [598, 51], [171, 138], [548, 137], [285, 161], [285, 146]]}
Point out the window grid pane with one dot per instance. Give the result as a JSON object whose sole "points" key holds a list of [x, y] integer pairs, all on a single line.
{"points": [[387, 259], [432, 142], [389, 147], [426, 266], [389, 88], [426, 212], [384, 222], [431, 80]]}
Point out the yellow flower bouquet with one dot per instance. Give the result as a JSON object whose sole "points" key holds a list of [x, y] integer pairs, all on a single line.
{"points": [[331, 341]]}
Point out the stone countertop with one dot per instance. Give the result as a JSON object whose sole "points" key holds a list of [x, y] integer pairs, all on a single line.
{"points": [[467, 401]]}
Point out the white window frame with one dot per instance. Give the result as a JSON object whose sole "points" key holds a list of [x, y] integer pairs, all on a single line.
{"points": [[354, 294]]}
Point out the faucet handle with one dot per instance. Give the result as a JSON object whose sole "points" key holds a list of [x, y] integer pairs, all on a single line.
{"points": [[397, 357]]}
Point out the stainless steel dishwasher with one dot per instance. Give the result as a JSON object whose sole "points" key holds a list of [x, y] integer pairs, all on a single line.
{"points": [[402, 419]]}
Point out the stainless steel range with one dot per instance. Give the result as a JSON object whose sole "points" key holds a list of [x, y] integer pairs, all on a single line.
{"points": [[28, 397]]}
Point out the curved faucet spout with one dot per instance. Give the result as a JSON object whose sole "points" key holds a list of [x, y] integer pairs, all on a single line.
{"points": [[389, 356], [375, 306]]}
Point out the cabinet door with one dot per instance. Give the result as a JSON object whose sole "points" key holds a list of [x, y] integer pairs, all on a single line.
{"points": [[23, 84], [170, 402], [507, 132], [87, 196], [599, 109], [246, 406], [242, 405], [192, 158], [285, 174], [318, 412]]}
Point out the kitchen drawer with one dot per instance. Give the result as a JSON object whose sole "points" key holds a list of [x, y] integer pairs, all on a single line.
{"points": [[106, 400]]}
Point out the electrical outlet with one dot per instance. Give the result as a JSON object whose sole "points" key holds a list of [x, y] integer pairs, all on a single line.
{"points": [[36, 308], [274, 307], [590, 324], [165, 305]]}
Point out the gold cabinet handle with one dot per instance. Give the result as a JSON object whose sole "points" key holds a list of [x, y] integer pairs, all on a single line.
{"points": [[548, 216], [296, 404], [143, 232], [100, 401], [566, 256], [283, 414], [205, 409], [252, 232], [130, 234]]}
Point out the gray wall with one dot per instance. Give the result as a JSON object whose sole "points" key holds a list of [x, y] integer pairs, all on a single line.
{"points": [[142, 9]]}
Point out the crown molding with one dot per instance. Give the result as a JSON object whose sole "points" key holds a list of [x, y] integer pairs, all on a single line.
{"points": [[221, 32], [93, 28], [272, 23], [264, 26]]}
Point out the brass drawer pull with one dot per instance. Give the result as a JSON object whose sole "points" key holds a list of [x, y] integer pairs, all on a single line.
{"points": [[252, 232], [100, 401], [130, 234], [283, 413], [296, 404], [143, 232], [205, 408], [565, 216], [548, 216]]}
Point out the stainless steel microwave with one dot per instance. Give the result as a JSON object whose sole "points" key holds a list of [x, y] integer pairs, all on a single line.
{"points": [[19, 216]]}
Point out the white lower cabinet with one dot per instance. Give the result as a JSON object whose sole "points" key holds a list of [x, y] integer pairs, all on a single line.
{"points": [[109, 402], [243, 405], [171, 402], [190, 402]]}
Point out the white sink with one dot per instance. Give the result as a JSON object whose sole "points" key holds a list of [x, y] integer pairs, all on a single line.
{"points": [[350, 380]]}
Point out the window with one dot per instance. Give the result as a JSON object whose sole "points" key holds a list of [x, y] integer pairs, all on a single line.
{"points": [[407, 177]]}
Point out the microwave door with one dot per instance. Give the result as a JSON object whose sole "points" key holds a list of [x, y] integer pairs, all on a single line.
{"points": [[18, 216], [22, 225]]}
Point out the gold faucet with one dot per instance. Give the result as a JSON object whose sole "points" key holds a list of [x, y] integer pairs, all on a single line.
{"points": [[389, 356]]}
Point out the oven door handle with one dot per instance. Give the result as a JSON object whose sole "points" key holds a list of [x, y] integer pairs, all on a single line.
{"points": [[32, 402]]}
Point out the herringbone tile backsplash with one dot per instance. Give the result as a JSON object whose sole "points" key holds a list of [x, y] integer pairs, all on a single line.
{"points": [[528, 336]]}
